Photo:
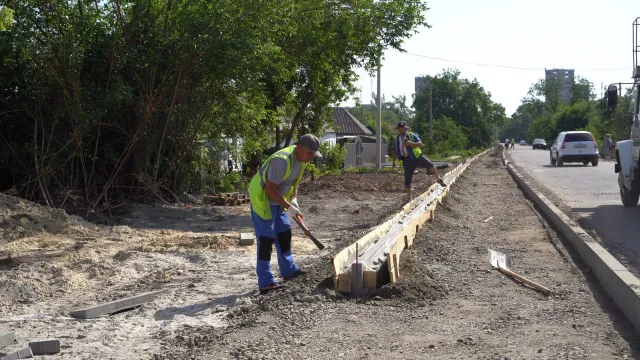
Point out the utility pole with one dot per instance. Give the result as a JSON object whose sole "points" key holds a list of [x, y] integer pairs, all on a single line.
{"points": [[361, 106], [601, 88], [430, 113], [620, 89], [379, 125]]}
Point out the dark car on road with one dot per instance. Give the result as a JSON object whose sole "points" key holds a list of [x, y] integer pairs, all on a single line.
{"points": [[539, 144]]}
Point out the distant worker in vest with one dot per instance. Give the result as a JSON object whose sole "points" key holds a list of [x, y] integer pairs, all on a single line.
{"points": [[409, 151], [273, 192], [608, 146]]}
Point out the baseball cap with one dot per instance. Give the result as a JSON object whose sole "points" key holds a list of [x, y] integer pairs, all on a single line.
{"points": [[310, 142], [402, 124]]}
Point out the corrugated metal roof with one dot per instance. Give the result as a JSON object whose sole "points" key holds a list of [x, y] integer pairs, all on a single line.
{"points": [[348, 124]]}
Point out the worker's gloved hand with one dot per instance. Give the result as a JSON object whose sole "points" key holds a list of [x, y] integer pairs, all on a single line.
{"points": [[294, 211], [294, 202]]}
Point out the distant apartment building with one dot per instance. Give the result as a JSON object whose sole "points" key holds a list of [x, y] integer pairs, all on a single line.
{"points": [[565, 78], [420, 81]]}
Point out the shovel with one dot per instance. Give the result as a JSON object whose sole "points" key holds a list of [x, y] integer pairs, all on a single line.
{"points": [[307, 232], [502, 262]]}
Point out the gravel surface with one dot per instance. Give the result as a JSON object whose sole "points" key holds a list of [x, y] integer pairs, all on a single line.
{"points": [[448, 304]]}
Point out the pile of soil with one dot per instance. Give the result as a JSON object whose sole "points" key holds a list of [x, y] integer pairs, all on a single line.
{"points": [[20, 218]]}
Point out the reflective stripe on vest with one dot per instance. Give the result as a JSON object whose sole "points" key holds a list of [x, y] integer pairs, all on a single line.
{"points": [[258, 197]]}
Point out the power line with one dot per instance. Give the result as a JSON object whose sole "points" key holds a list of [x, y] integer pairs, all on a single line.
{"points": [[493, 65]]}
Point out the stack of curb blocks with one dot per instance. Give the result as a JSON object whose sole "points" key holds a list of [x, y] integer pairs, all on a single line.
{"points": [[40, 347]]}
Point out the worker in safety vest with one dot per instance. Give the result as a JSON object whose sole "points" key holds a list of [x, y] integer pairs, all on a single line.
{"points": [[409, 151], [273, 193]]}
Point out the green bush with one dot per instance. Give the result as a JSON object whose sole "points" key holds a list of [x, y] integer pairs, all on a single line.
{"points": [[331, 172], [448, 136], [312, 170], [217, 181], [333, 157]]}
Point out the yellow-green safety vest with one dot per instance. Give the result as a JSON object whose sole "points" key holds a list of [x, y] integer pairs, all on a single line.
{"points": [[258, 197], [416, 150]]}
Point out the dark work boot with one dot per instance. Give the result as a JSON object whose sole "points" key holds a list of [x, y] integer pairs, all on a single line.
{"points": [[295, 275], [267, 289]]}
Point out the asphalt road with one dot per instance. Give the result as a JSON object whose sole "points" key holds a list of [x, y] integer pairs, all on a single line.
{"points": [[592, 193]]}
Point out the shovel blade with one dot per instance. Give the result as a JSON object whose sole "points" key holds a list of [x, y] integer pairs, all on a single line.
{"points": [[499, 260]]}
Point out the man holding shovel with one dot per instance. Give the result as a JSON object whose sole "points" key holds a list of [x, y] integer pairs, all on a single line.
{"points": [[272, 191], [409, 151]]}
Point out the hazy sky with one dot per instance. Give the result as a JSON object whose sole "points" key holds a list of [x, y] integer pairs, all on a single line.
{"points": [[585, 35]]}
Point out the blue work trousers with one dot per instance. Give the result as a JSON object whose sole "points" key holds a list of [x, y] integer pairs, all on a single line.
{"points": [[276, 231]]}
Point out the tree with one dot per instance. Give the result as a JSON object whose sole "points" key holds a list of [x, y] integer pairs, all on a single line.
{"points": [[448, 136], [320, 63], [543, 114], [582, 90], [463, 101], [119, 97], [6, 18]]}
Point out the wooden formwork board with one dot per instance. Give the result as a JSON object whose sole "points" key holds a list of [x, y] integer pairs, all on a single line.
{"points": [[389, 271], [393, 257], [343, 259]]}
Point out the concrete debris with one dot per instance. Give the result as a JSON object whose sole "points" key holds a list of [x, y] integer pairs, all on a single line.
{"points": [[247, 239], [6, 338], [20, 354], [115, 306], [41, 347]]}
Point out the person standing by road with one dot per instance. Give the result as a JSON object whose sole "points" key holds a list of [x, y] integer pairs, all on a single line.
{"points": [[409, 151], [607, 147], [273, 193], [512, 143]]}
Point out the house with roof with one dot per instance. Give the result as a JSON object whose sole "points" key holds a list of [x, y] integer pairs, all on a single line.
{"points": [[348, 131], [344, 128]]}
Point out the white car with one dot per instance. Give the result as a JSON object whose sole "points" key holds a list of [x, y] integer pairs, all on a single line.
{"points": [[523, 142], [574, 147]]}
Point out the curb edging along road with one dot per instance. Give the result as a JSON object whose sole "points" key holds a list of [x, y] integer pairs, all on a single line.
{"points": [[619, 283]]}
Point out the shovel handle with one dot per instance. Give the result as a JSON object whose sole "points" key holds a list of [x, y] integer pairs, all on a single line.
{"points": [[523, 279], [300, 223]]}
